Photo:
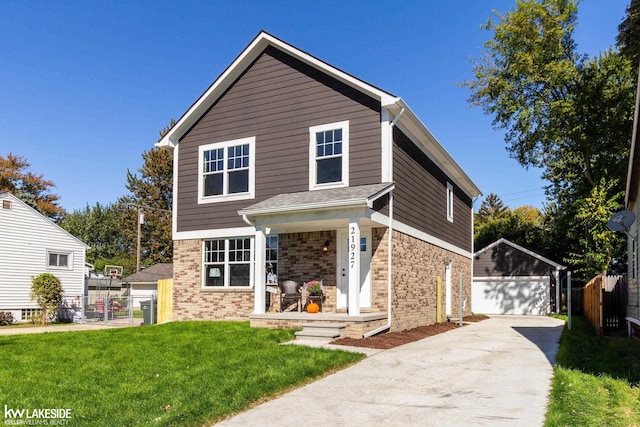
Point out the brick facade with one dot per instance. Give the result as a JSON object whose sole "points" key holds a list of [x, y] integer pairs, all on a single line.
{"points": [[191, 301], [301, 258], [416, 267]]}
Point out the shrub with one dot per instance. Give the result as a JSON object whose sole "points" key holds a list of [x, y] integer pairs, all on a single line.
{"points": [[47, 291], [6, 318]]}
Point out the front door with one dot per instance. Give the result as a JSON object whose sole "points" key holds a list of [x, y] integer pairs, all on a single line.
{"points": [[343, 269]]}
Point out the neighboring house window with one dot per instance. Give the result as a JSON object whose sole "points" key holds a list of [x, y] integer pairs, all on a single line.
{"points": [[226, 171], [58, 259], [634, 258], [30, 313], [449, 202], [227, 262], [329, 155], [6, 204]]}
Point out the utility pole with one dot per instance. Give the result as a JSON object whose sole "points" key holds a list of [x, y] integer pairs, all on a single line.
{"points": [[140, 221]]}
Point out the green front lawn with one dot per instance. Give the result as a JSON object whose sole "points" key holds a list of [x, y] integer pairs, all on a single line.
{"points": [[181, 373], [596, 380]]}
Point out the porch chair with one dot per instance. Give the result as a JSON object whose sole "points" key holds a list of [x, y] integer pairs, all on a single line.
{"points": [[289, 294]]}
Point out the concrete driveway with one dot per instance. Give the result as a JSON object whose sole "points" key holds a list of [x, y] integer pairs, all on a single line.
{"points": [[495, 372]]}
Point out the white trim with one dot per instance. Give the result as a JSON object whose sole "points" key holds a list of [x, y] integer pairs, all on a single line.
{"points": [[520, 248], [69, 255], [344, 126], [214, 234], [227, 270], [386, 154], [420, 235], [174, 206], [450, 203], [508, 278], [226, 196]]}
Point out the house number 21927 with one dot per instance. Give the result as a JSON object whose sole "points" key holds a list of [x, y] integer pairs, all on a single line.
{"points": [[352, 247]]}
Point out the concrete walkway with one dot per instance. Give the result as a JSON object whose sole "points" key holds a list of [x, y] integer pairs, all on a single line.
{"points": [[495, 373], [90, 326]]}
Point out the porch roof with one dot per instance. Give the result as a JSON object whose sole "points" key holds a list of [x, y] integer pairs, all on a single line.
{"points": [[334, 198]]}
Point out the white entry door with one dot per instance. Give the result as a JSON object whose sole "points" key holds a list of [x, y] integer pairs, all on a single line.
{"points": [[343, 269]]}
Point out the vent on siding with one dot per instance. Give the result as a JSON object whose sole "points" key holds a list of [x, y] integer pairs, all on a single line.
{"points": [[6, 204]]}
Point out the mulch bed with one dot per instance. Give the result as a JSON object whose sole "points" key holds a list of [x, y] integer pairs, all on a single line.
{"points": [[393, 339]]}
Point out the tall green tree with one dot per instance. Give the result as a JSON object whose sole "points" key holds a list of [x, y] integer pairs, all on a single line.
{"points": [[151, 194], [100, 227], [492, 208], [562, 111], [629, 34], [29, 187]]}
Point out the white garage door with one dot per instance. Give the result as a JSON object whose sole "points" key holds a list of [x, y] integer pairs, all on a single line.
{"points": [[513, 295]]}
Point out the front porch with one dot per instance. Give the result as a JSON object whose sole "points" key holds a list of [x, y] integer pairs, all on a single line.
{"points": [[356, 326]]}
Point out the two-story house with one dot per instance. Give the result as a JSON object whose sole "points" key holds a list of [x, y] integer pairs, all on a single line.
{"points": [[290, 162]]}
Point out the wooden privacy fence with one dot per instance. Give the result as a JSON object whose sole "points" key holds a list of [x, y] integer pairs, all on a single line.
{"points": [[165, 300], [604, 303]]}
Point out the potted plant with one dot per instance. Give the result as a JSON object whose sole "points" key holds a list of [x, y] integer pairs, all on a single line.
{"points": [[315, 288]]}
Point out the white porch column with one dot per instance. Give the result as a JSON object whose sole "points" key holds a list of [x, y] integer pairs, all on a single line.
{"points": [[557, 291], [354, 267], [260, 243]]}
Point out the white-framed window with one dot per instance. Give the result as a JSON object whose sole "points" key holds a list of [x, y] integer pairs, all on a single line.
{"points": [[449, 202], [59, 259], [634, 259], [228, 262], [226, 170], [329, 156]]}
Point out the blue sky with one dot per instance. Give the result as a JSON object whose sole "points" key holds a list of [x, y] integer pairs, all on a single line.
{"points": [[86, 86]]}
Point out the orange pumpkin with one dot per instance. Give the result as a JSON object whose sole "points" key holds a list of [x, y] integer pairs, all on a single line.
{"points": [[313, 308]]}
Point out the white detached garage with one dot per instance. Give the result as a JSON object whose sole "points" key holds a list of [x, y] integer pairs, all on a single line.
{"points": [[510, 279]]}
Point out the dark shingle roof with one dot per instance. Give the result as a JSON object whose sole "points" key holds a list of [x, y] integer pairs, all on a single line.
{"points": [[151, 274], [319, 199]]}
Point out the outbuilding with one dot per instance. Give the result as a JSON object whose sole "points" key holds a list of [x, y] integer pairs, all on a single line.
{"points": [[510, 279]]}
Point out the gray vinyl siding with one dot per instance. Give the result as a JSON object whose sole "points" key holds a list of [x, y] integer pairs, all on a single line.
{"points": [[420, 197], [276, 100], [506, 261]]}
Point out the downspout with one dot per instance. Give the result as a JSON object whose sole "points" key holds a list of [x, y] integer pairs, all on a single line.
{"points": [[389, 243]]}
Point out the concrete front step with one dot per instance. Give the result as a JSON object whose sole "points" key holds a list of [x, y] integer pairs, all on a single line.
{"points": [[321, 331]]}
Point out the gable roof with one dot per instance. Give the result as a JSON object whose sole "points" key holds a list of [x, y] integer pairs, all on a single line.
{"points": [[521, 249], [633, 171], [151, 274], [14, 199], [405, 117]]}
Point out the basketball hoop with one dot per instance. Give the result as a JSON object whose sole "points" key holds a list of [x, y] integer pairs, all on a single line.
{"points": [[113, 271]]}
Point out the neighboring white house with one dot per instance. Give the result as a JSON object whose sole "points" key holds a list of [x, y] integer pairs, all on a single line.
{"points": [[31, 244]]}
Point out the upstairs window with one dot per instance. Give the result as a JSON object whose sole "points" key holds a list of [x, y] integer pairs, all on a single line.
{"points": [[449, 202], [329, 155], [226, 171]]}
